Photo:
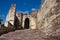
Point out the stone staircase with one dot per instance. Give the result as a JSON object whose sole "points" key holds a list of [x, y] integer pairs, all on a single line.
{"points": [[26, 34]]}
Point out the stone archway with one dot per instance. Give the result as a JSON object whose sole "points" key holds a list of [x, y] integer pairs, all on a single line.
{"points": [[26, 23]]}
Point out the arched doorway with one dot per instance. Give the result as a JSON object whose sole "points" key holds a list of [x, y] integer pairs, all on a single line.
{"points": [[26, 23]]}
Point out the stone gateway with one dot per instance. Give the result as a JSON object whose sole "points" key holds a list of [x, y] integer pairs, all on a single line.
{"points": [[21, 19]]}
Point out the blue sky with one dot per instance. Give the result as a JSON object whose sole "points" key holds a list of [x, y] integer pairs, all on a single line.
{"points": [[21, 5]]}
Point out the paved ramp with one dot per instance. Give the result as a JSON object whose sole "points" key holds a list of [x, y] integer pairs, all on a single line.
{"points": [[25, 34]]}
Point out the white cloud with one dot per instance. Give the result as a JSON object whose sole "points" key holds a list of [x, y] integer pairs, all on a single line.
{"points": [[26, 12], [33, 9]]}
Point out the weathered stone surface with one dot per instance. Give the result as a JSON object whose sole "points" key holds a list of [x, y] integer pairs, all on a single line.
{"points": [[49, 17], [11, 15]]}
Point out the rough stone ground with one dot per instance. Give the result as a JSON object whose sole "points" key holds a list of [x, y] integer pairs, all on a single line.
{"points": [[26, 34]]}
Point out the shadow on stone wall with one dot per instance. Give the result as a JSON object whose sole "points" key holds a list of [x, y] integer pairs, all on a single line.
{"points": [[17, 24], [10, 28], [4, 30]]}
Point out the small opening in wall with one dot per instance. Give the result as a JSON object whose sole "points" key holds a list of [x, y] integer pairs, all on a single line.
{"points": [[26, 23]]}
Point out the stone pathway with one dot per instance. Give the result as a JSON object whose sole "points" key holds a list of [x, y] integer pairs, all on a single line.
{"points": [[26, 34]]}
